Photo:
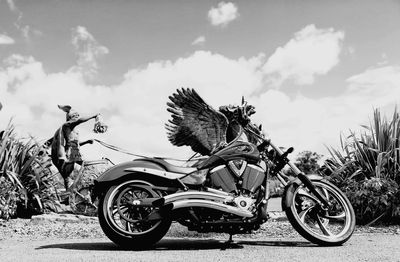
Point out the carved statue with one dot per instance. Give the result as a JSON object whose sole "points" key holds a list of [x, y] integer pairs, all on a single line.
{"points": [[196, 124], [65, 148]]}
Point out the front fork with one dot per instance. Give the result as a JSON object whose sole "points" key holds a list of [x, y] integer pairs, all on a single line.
{"points": [[283, 160]]}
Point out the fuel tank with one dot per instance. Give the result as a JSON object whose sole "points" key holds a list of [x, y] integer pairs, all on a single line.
{"points": [[238, 150]]}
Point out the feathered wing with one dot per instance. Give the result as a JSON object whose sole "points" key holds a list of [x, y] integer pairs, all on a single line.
{"points": [[194, 123]]}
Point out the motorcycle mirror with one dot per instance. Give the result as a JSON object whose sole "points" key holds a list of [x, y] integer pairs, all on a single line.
{"points": [[244, 104]]}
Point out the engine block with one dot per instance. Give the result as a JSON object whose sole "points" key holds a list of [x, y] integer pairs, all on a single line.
{"points": [[237, 176]]}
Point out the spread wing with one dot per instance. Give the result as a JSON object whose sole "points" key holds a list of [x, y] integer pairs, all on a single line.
{"points": [[194, 123]]}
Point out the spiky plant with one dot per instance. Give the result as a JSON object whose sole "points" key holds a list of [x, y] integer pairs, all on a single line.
{"points": [[367, 168], [17, 158]]}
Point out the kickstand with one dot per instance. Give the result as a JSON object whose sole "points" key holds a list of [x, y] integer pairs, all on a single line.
{"points": [[231, 244], [230, 241]]}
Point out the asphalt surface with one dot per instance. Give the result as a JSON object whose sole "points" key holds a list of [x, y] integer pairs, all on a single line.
{"points": [[70, 240], [363, 247]]}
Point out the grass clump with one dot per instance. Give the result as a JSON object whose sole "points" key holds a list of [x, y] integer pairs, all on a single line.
{"points": [[367, 169]]}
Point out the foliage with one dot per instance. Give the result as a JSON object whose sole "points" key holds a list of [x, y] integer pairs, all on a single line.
{"points": [[374, 199], [367, 168], [8, 199], [307, 162], [22, 181]]}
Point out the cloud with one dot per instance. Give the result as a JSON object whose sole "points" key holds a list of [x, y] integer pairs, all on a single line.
{"points": [[199, 40], [88, 51], [6, 40], [379, 84], [223, 14], [25, 30], [12, 6], [309, 53], [135, 109]]}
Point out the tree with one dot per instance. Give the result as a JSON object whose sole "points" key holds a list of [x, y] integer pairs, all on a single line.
{"points": [[307, 162]]}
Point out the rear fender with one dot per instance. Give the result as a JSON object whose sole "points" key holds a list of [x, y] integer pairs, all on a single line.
{"points": [[129, 171], [296, 182]]}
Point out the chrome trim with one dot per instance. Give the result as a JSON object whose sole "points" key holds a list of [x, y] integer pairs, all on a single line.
{"points": [[109, 208], [217, 168], [170, 175], [190, 195], [216, 191], [212, 205], [238, 171]]}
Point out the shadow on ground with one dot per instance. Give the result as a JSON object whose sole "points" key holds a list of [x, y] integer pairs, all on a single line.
{"points": [[182, 244]]}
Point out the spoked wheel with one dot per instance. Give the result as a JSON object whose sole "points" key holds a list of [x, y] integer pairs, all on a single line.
{"points": [[329, 227], [123, 220]]}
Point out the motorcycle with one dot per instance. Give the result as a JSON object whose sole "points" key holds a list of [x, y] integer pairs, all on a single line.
{"points": [[225, 192]]}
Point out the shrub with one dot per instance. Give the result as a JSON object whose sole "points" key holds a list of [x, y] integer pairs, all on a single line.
{"points": [[22, 180], [367, 169], [307, 162]]}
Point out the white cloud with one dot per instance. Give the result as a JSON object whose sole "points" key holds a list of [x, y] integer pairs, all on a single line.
{"points": [[135, 109], [88, 51], [6, 40], [25, 30], [379, 84], [12, 6], [223, 14], [311, 52], [199, 40]]}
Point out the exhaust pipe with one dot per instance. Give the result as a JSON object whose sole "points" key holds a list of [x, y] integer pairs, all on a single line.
{"points": [[212, 205], [192, 195], [213, 199]]}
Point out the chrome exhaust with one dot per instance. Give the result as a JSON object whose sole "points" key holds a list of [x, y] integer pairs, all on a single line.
{"points": [[193, 194], [212, 205]]}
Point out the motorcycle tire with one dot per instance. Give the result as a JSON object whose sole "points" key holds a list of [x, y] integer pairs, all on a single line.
{"points": [[118, 226], [331, 227]]}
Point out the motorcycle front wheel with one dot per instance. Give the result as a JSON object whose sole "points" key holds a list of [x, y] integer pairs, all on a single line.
{"points": [[123, 222], [328, 227]]}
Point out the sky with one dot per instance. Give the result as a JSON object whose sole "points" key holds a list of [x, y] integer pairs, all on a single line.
{"points": [[313, 69]]}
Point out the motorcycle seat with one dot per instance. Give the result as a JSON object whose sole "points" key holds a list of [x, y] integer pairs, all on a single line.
{"points": [[173, 168]]}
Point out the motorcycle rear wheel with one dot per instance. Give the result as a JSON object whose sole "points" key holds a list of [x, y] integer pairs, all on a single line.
{"points": [[123, 223], [331, 227]]}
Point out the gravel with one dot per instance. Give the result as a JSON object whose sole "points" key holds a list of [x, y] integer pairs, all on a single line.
{"points": [[80, 227]]}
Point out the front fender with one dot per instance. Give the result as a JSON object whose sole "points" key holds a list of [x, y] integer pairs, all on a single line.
{"points": [[296, 182]]}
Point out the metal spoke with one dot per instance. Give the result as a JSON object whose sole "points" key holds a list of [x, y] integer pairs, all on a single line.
{"points": [[326, 193], [341, 216], [323, 228], [303, 214], [127, 217], [302, 192], [127, 226], [135, 195], [80, 202]]}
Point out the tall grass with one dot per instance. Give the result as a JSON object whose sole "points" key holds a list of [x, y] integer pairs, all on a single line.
{"points": [[374, 153], [19, 182], [367, 167]]}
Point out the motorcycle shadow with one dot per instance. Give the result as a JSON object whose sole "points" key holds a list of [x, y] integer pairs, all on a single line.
{"points": [[182, 244]]}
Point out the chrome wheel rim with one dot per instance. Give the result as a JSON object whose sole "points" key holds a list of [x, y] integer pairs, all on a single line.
{"points": [[126, 218], [330, 224]]}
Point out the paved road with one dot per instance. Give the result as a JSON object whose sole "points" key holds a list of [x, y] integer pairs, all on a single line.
{"points": [[368, 247]]}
